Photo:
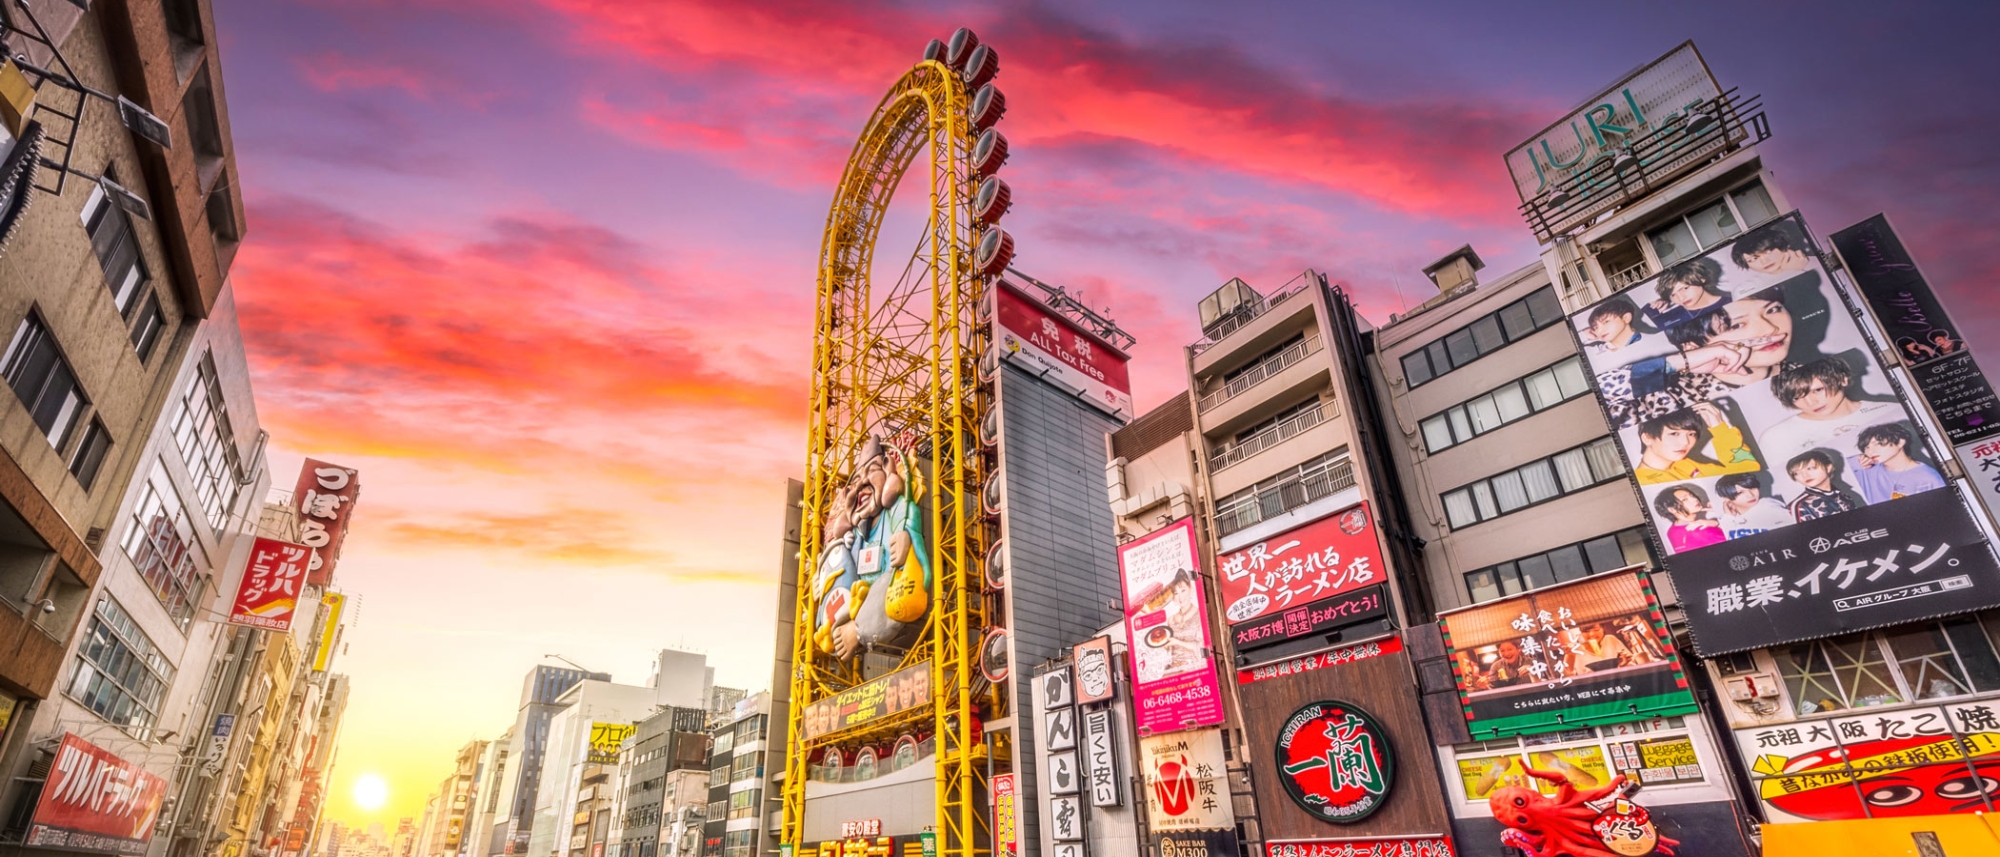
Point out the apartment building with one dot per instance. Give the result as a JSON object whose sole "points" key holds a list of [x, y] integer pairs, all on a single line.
{"points": [[737, 821]]}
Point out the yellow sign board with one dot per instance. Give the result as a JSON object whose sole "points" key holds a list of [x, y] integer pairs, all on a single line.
{"points": [[604, 741]]}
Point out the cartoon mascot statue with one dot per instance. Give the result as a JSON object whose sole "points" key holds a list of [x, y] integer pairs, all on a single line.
{"points": [[872, 588]]}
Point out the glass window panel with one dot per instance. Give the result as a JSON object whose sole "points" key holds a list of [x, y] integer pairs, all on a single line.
{"points": [[1713, 225], [1440, 361], [1416, 368], [1929, 667], [1754, 204], [1536, 571], [1483, 495], [1482, 586], [1543, 390], [1863, 671], [1513, 403], [1540, 480], [1437, 432], [1486, 335], [1485, 414], [1544, 307], [1604, 463], [1574, 470], [1515, 320], [1459, 509], [1461, 425], [1567, 561], [1571, 379], [1508, 490], [1633, 543], [1603, 554], [1461, 348], [1674, 243], [1975, 651], [1510, 577], [1810, 679]]}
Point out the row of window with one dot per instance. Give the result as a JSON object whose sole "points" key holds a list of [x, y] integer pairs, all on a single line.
{"points": [[1485, 335], [1907, 663], [120, 675], [1316, 478], [744, 804], [35, 367], [201, 432], [1566, 472], [1508, 403], [117, 249], [1563, 564], [161, 544]]}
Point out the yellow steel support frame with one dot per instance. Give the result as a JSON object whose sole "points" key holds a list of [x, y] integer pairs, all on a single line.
{"points": [[904, 363]]}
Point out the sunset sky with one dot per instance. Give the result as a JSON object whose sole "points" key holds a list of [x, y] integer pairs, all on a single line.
{"points": [[542, 269]]}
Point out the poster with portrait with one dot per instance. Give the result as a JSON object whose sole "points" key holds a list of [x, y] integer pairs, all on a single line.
{"points": [[1746, 401], [1587, 652], [1174, 685]]}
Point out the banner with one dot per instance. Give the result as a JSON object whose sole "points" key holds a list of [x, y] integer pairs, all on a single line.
{"points": [[1577, 654], [605, 739], [268, 595], [1917, 558], [1746, 402], [218, 744], [1100, 758], [1875, 764], [1166, 619], [1006, 820], [1054, 348], [894, 693], [1332, 556], [1186, 781], [1919, 328], [1330, 658], [329, 633], [326, 495], [1316, 619], [95, 801], [1387, 846]]}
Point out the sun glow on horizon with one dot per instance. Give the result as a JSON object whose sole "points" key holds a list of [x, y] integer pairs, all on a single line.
{"points": [[371, 792]]}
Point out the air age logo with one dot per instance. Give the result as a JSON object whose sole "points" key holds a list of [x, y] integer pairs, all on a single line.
{"points": [[1822, 544]]}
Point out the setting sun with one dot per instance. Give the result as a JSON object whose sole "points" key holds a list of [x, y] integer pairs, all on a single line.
{"points": [[370, 792]]}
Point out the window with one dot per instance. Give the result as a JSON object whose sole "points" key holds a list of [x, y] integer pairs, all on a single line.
{"points": [[739, 843], [1317, 478], [1510, 402], [1709, 225], [744, 804], [1563, 473], [202, 433], [1566, 563], [1923, 661], [35, 368], [146, 332], [1483, 336], [751, 729], [89, 455], [161, 544], [117, 249], [746, 766], [119, 673]]}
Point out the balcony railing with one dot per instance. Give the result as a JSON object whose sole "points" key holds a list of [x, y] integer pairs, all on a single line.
{"points": [[1260, 371], [1247, 313], [1267, 438], [1285, 496], [1629, 276]]}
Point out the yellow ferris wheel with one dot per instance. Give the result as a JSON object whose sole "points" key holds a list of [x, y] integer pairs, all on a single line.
{"points": [[893, 534]]}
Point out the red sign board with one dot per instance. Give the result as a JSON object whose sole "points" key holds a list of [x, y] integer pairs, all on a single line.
{"points": [[269, 594], [1333, 555], [326, 495], [1388, 846], [94, 801], [1054, 347], [1335, 762], [1006, 830]]}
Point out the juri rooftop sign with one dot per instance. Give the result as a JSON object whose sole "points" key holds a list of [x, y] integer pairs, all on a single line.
{"points": [[1631, 109]]}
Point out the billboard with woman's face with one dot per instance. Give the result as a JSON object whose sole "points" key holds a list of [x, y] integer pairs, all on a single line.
{"points": [[1746, 401]]}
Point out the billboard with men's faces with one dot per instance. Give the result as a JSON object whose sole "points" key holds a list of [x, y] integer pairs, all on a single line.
{"points": [[1747, 401]]}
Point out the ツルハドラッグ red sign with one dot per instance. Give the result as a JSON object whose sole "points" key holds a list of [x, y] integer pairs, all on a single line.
{"points": [[268, 596], [95, 801]]}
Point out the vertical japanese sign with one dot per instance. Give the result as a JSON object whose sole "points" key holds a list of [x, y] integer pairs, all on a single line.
{"points": [[1577, 654], [1174, 684], [1006, 821], [326, 494], [1920, 329], [1318, 562], [329, 633], [95, 801], [1100, 758], [1187, 793], [1056, 349], [218, 744], [268, 596], [1750, 409]]}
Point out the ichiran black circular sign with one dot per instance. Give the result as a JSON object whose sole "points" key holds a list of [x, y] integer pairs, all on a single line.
{"points": [[1335, 761]]}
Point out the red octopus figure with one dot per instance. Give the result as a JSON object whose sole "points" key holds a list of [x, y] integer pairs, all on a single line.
{"points": [[1562, 827]]}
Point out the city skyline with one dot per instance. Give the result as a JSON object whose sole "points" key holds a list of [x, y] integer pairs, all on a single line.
{"points": [[523, 323]]}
